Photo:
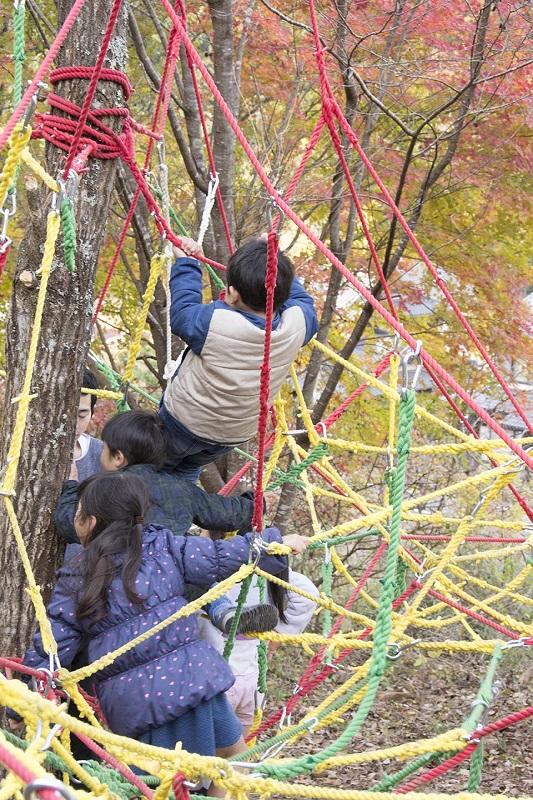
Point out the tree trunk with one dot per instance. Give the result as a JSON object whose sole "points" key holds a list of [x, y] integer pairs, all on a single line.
{"points": [[64, 340]]}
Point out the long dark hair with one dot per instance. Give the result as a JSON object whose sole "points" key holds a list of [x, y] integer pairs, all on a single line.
{"points": [[278, 594], [118, 500]]}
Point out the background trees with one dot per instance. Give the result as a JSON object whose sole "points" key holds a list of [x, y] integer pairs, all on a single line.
{"points": [[438, 94]]}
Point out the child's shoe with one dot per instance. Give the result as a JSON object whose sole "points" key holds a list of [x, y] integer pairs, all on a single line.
{"points": [[254, 619]]}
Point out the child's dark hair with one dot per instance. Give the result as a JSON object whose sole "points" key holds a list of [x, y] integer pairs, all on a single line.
{"points": [[278, 594], [246, 273], [138, 436], [119, 501], [89, 382]]}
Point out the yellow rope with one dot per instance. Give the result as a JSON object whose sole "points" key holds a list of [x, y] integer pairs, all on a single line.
{"points": [[157, 264], [39, 170], [17, 142]]}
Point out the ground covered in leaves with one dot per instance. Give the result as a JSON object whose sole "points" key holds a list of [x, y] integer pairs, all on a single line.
{"points": [[421, 697]]}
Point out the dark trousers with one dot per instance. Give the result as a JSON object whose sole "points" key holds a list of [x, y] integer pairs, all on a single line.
{"points": [[187, 453]]}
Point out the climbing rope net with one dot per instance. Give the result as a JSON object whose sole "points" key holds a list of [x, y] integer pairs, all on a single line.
{"points": [[431, 596]]}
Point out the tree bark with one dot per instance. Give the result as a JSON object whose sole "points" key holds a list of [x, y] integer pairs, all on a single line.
{"points": [[64, 340]]}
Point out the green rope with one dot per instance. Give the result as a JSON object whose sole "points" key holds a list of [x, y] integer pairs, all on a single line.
{"points": [[19, 56], [68, 227], [390, 781], [383, 624], [262, 650], [401, 578], [277, 471], [288, 733], [243, 594], [485, 693], [327, 579], [296, 470], [476, 767]]}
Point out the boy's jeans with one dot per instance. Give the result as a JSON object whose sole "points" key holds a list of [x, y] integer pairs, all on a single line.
{"points": [[187, 453]]}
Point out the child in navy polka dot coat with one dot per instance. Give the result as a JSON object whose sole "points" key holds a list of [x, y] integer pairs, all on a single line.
{"points": [[128, 578]]}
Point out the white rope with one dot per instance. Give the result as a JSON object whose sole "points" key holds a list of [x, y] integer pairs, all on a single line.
{"points": [[172, 365], [208, 207]]}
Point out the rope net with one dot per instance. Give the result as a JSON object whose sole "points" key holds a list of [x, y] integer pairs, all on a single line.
{"points": [[416, 594]]}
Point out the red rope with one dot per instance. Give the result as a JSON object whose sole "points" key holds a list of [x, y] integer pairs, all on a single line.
{"points": [[3, 258], [158, 121], [329, 118], [458, 758], [207, 141], [93, 83], [319, 52], [307, 684], [520, 500], [16, 665], [124, 770], [474, 614], [431, 362], [12, 764], [179, 788], [42, 71], [264, 384], [335, 415]]}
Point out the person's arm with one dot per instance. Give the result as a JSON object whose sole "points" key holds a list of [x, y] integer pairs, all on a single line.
{"points": [[217, 513], [67, 632], [299, 297], [189, 316], [204, 562], [299, 609], [66, 510]]}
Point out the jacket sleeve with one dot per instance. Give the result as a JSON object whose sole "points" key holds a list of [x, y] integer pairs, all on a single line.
{"points": [[189, 316], [66, 510], [299, 609], [299, 297], [203, 562], [68, 634], [216, 513]]}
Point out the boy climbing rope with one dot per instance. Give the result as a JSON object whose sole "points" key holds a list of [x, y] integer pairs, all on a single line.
{"points": [[133, 442], [130, 577], [211, 403]]}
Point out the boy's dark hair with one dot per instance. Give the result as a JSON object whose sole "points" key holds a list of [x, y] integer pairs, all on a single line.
{"points": [[246, 273], [89, 382], [119, 501], [138, 436]]}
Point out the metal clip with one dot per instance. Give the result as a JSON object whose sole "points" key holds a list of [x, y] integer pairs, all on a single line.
{"points": [[422, 575], [324, 429], [396, 649], [5, 241], [52, 733], [4, 238], [161, 151], [68, 188], [30, 110], [395, 347], [480, 501], [285, 719], [257, 547], [46, 783], [523, 641], [407, 356]]}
